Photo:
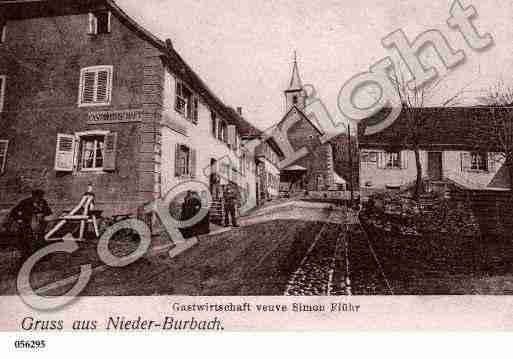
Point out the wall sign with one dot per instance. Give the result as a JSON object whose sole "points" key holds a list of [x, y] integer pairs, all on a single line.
{"points": [[114, 116]]}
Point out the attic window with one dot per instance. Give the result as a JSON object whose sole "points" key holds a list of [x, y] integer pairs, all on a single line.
{"points": [[99, 22], [294, 100]]}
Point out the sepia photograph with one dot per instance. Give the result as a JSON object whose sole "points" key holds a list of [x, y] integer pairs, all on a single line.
{"points": [[301, 153]]}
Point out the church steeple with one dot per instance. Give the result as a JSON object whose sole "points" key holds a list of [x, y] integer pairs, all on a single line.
{"points": [[295, 95], [295, 81]]}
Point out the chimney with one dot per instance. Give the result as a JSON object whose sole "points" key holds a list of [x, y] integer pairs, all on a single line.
{"points": [[169, 44], [239, 111]]}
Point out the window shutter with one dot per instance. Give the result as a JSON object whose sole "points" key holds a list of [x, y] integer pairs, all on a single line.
{"points": [[103, 94], [192, 165], [88, 87], [404, 159], [381, 160], [110, 151], [4, 144], [109, 21], [465, 162], [232, 134], [92, 24], [64, 153], [178, 173], [2, 92], [195, 110]]}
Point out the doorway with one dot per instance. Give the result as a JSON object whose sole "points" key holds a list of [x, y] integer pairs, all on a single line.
{"points": [[435, 166]]}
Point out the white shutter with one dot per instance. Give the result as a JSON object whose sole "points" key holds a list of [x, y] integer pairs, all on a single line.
{"points": [[88, 82], [2, 92], [93, 24], [492, 158], [381, 159], [109, 23], [64, 153], [4, 144], [102, 87], [110, 151], [465, 161], [404, 159]]}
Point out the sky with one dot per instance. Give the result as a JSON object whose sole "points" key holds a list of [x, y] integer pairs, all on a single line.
{"points": [[243, 49]]}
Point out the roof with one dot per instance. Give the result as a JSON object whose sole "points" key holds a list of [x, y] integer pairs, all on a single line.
{"points": [[440, 127], [21, 9], [315, 125]]}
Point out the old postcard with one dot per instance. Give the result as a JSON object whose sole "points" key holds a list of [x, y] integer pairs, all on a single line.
{"points": [[174, 165]]}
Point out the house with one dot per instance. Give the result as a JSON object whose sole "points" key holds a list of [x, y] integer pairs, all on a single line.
{"points": [[456, 146], [268, 156], [88, 96]]}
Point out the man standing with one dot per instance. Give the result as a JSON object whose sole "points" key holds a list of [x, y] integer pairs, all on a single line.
{"points": [[231, 200], [29, 215]]}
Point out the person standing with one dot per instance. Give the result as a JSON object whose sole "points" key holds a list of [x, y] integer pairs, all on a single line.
{"points": [[231, 200], [30, 216], [190, 207]]}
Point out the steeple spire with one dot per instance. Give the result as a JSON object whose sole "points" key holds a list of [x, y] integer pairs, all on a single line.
{"points": [[295, 81]]}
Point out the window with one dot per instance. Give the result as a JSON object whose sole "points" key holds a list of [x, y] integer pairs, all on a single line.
{"points": [[95, 86], [2, 92], [86, 151], [4, 144], [186, 103], [91, 153], [391, 160], [294, 100], [99, 22], [478, 161], [185, 161]]}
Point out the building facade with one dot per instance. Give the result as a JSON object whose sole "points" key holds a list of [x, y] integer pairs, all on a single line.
{"points": [[455, 146], [87, 96]]}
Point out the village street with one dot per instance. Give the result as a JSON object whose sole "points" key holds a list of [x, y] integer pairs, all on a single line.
{"points": [[291, 248], [288, 247]]}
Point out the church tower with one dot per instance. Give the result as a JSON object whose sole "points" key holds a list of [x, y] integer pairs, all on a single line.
{"points": [[295, 95]]}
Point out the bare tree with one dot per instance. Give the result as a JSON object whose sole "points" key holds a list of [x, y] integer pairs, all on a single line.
{"points": [[414, 119], [499, 99]]}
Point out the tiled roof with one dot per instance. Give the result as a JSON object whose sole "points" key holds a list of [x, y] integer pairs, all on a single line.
{"points": [[441, 127]]}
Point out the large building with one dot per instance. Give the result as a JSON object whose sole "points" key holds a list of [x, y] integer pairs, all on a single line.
{"points": [[316, 170], [88, 96]]}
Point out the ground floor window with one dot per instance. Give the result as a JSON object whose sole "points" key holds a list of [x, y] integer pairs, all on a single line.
{"points": [[479, 161], [390, 160], [185, 161], [86, 151]]}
